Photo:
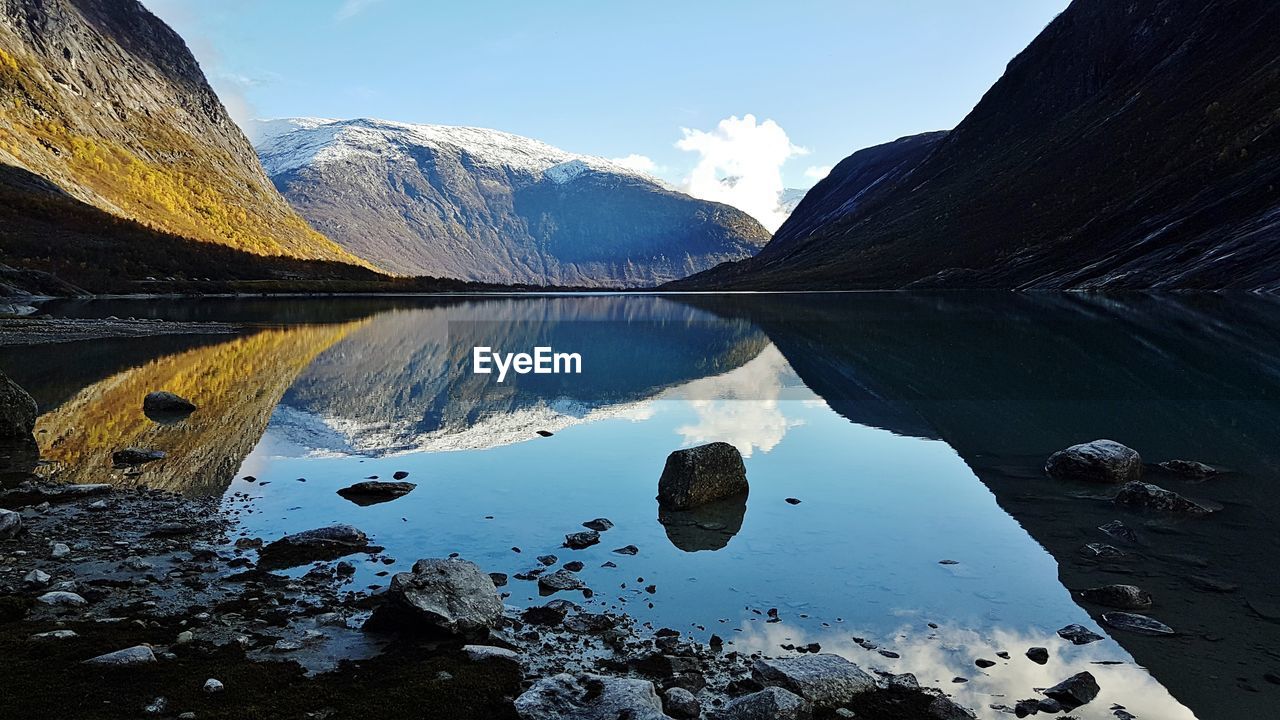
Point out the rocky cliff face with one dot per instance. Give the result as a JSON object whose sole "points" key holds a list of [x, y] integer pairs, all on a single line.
{"points": [[1131, 145], [102, 104], [485, 205]]}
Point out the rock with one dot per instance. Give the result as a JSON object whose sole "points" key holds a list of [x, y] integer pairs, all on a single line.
{"points": [[1049, 705], [580, 540], [904, 681], [703, 474], [399, 475], [793, 501], [1079, 689], [1145, 496], [135, 655], [157, 706], [984, 663], [680, 703], [772, 703], [627, 550], [1124, 597], [1119, 531], [1101, 551], [559, 580], [449, 596], [589, 697], [186, 637], [553, 613], [372, 492], [1026, 707], [1038, 655], [1189, 469], [547, 560], [599, 524], [1079, 635], [166, 402], [10, 524], [491, 653], [135, 456], [17, 410], [545, 433], [62, 599], [944, 708], [499, 579], [1104, 461], [55, 635], [327, 543], [1135, 623], [826, 680], [59, 550], [213, 686]]}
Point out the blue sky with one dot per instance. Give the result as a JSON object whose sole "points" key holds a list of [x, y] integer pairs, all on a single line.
{"points": [[621, 78]]}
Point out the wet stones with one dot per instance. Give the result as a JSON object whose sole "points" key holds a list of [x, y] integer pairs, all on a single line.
{"points": [[580, 540], [10, 524], [699, 475], [491, 653], [136, 655], [826, 680], [449, 596], [1038, 655], [1079, 635], [1118, 530], [681, 704], [559, 580], [627, 550], [1079, 689], [326, 543], [1135, 623], [1188, 469], [163, 401], [772, 703], [135, 456], [60, 598], [1145, 496], [372, 492], [17, 410], [1101, 551], [598, 524], [1100, 461], [553, 613], [1123, 597], [589, 697]]}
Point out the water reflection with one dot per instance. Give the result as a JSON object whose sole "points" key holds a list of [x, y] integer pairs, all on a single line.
{"points": [[709, 527]]}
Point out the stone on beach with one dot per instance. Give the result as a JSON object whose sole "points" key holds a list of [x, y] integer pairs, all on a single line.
{"points": [[60, 598], [1079, 635], [772, 703], [589, 697], [326, 543], [1104, 461], [1145, 496], [491, 653], [1135, 623], [826, 680], [1079, 689], [580, 540], [10, 524], [135, 655], [449, 596], [17, 410], [699, 475], [1189, 469], [559, 580], [1123, 597]]}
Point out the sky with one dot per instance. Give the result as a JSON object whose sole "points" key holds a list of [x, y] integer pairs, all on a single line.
{"points": [[770, 93]]}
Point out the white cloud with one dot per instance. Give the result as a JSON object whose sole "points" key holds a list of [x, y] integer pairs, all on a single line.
{"points": [[638, 163], [351, 8], [817, 172], [740, 164]]}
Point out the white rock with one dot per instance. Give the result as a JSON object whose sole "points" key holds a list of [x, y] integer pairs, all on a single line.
{"points": [[62, 599], [213, 686], [480, 653], [185, 637], [135, 655], [59, 550], [55, 635], [10, 523]]}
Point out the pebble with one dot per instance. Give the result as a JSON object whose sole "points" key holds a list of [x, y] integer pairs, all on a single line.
{"points": [[213, 686]]}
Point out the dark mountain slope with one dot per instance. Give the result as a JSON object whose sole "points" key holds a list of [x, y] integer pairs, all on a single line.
{"points": [[1131, 145]]}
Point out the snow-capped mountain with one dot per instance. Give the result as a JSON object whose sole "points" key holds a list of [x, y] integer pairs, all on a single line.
{"points": [[487, 205]]}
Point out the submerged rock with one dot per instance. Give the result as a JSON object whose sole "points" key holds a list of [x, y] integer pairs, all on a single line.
{"points": [[1079, 689], [1145, 496], [553, 613], [372, 492], [826, 680], [1135, 623], [699, 475], [17, 410], [559, 580], [589, 697], [1124, 597], [580, 540], [10, 524], [449, 596], [598, 524], [491, 653], [326, 543], [136, 456], [1079, 635], [1104, 461], [1189, 469], [772, 703], [135, 655], [163, 401]]}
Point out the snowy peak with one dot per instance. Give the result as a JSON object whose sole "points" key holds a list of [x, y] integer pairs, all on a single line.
{"points": [[290, 143]]}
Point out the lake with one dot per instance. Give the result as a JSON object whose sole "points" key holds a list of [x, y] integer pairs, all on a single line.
{"points": [[912, 429]]}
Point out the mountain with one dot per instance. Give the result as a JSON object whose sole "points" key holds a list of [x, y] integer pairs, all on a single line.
{"points": [[1130, 145], [110, 135], [485, 205]]}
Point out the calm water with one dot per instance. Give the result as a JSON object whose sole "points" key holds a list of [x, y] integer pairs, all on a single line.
{"points": [[911, 427]]}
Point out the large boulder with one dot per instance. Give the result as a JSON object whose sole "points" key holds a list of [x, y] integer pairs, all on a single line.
{"points": [[699, 475], [447, 596], [590, 697], [17, 410], [772, 703], [1145, 496], [826, 680], [1104, 461], [1079, 689], [326, 543]]}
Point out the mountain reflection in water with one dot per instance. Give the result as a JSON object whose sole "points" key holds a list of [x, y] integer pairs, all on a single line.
{"points": [[844, 401]]}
